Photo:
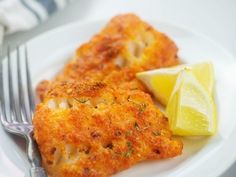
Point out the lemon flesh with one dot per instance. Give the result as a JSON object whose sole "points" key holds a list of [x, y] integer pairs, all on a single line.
{"points": [[204, 72], [162, 81], [191, 109]]}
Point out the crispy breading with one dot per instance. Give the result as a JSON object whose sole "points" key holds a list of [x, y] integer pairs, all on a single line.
{"points": [[126, 42], [125, 45], [91, 129], [133, 43], [95, 118]]}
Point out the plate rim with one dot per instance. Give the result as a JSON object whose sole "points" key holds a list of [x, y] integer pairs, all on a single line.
{"points": [[65, 27]]}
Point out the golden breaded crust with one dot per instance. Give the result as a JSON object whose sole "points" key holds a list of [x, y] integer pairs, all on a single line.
{"points": [[91, 129], [95, 118], [125, 45], [126, 42], [132, 41]]}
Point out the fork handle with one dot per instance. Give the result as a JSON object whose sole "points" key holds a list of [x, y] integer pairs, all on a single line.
{"points": [[37, 172]]}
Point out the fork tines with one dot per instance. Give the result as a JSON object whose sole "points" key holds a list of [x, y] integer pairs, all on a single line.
{"points": [[16, 96]]}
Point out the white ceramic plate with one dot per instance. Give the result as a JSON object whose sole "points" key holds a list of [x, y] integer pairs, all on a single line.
{"points": [[207, 157]]}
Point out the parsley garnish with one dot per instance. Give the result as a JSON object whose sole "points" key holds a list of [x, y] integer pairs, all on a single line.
{"points": [[142, 107], [130, 149], [82, 100]]}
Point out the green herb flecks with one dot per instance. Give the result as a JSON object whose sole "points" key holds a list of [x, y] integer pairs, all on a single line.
{"points": [[142, 107], [130, 149], [128, 154], [82, 100], [128, 133]]}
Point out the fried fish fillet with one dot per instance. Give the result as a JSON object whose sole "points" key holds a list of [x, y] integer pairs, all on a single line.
{"points": [[92, 129], [125, 46], [95, 118]]}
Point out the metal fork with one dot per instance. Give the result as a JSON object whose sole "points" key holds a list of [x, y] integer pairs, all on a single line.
{"points": [[17, 105]]}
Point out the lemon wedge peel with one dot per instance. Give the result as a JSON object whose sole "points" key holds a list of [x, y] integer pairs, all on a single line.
{"points": [[162, 81], [191, 108], [187, 90]]}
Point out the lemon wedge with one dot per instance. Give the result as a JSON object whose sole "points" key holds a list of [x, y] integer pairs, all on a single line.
{"points": [[162, 81], [204, 72], [191, 109]]}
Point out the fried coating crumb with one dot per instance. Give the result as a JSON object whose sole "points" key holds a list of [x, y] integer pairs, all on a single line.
{"points": [[95, 130], [96, 118], [125, 45]]}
